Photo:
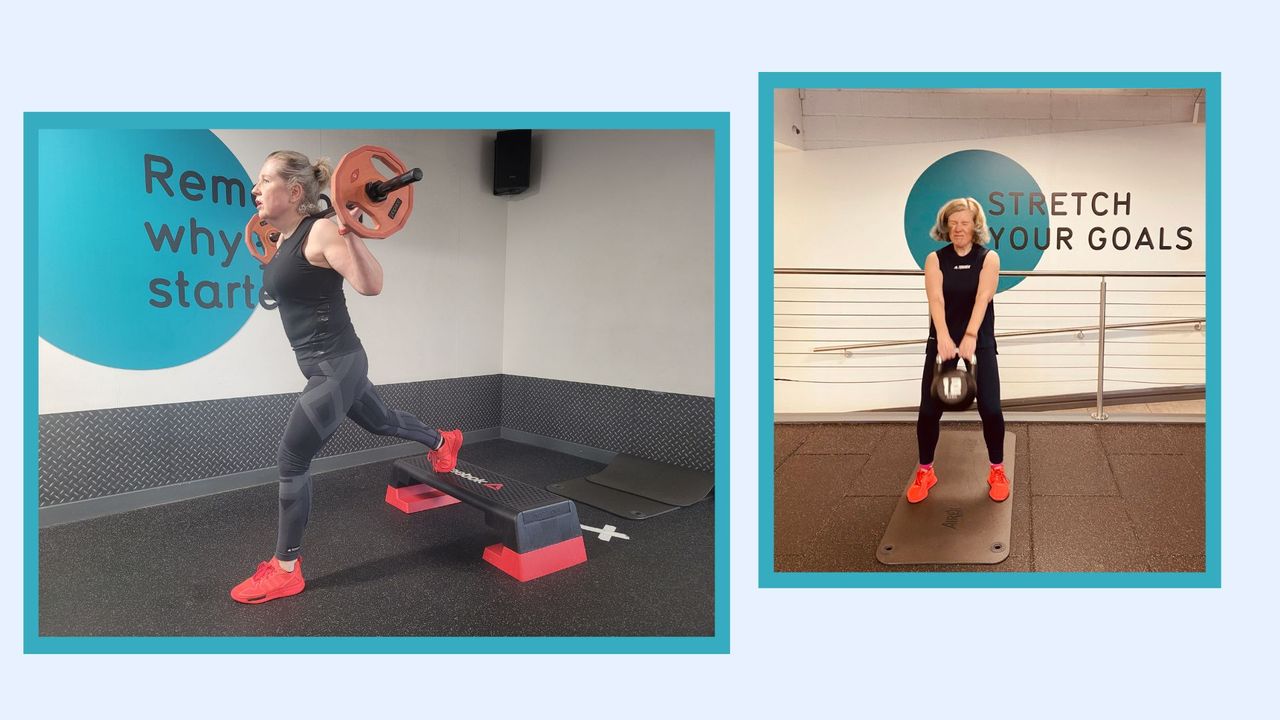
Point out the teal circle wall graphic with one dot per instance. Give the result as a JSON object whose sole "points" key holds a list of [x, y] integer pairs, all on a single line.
{"points": [[1022, 232], [142, 263]]}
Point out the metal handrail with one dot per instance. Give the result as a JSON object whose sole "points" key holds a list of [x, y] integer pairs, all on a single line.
{"points": [[1019, 333], [1102, 327]]}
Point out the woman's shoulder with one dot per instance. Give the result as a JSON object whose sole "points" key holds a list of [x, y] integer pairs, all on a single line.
{"points": [[320, 237], [323, 230]]}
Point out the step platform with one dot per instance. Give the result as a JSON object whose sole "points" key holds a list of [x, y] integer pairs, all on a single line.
{"points": [[540, 531]]}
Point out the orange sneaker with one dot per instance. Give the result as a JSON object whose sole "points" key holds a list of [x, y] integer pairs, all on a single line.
{"points": [[446, 457], [999, 484], [919, 489], [269, 582]]}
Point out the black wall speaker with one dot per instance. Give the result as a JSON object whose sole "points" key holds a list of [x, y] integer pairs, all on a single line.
{"points": [[511, 162]]}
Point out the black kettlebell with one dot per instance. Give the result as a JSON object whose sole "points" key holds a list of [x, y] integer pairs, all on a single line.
{"points": [[954, 389]]}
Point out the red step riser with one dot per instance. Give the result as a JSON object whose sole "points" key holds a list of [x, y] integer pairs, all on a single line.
{"points": [[416, 498], [537, 563]]}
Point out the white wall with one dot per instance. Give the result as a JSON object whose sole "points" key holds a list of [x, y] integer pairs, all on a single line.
{"points": [[844, 209], [449, 257], [610, 275], [602, 273], [844, 118]]}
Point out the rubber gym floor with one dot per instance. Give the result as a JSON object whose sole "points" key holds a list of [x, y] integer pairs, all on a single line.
{"points": [[372, 570], [1088, 497]]}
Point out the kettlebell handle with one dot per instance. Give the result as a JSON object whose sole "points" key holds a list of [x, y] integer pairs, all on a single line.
{"points": [[968, 363]]}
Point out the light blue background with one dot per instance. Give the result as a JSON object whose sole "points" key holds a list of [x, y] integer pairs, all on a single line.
{"points": [[846, 653]]}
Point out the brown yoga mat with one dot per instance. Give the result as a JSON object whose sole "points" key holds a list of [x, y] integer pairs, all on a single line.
{"points": [[958, 522]]}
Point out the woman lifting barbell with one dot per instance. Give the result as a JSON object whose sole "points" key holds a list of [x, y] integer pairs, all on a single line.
{"points": [[305, 276], [960, 282]]}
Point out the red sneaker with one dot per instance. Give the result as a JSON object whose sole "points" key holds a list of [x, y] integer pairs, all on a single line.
{"points": [[999, 484], [269, 582], [446, 458], [919, 489]]}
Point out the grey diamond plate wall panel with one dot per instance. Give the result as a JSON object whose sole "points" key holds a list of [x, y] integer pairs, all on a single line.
{"points": [[96, 453], [667, 427]]}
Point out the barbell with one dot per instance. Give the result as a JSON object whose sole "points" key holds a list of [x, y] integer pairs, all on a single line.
{"points": [[364, 201]]}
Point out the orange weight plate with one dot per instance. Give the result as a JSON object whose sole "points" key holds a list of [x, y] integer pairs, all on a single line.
{"points": [[266, 233], [351, 197]]}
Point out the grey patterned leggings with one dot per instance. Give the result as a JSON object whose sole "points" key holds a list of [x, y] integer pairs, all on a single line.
{"points": [[336, 388]]}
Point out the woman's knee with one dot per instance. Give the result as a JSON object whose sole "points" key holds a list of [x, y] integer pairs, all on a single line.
{"points": [[368, 412], [291, 463]]}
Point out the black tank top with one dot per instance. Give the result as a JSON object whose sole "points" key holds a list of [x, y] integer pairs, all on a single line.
{"points": [[959, 292], [312, 306]]}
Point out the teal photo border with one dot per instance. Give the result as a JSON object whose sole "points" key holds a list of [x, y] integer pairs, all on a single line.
{"points": [[716, 122], [1212, 575]]}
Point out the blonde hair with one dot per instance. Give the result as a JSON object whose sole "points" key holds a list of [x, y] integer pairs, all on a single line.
{"points": [[294, 167], [942, 233]]}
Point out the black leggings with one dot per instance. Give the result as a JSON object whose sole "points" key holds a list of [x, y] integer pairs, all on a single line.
{"points": [[336, 388], [988, 375]]}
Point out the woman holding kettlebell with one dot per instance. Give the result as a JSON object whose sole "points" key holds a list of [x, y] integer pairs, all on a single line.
{"points": [[960, 281]]}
